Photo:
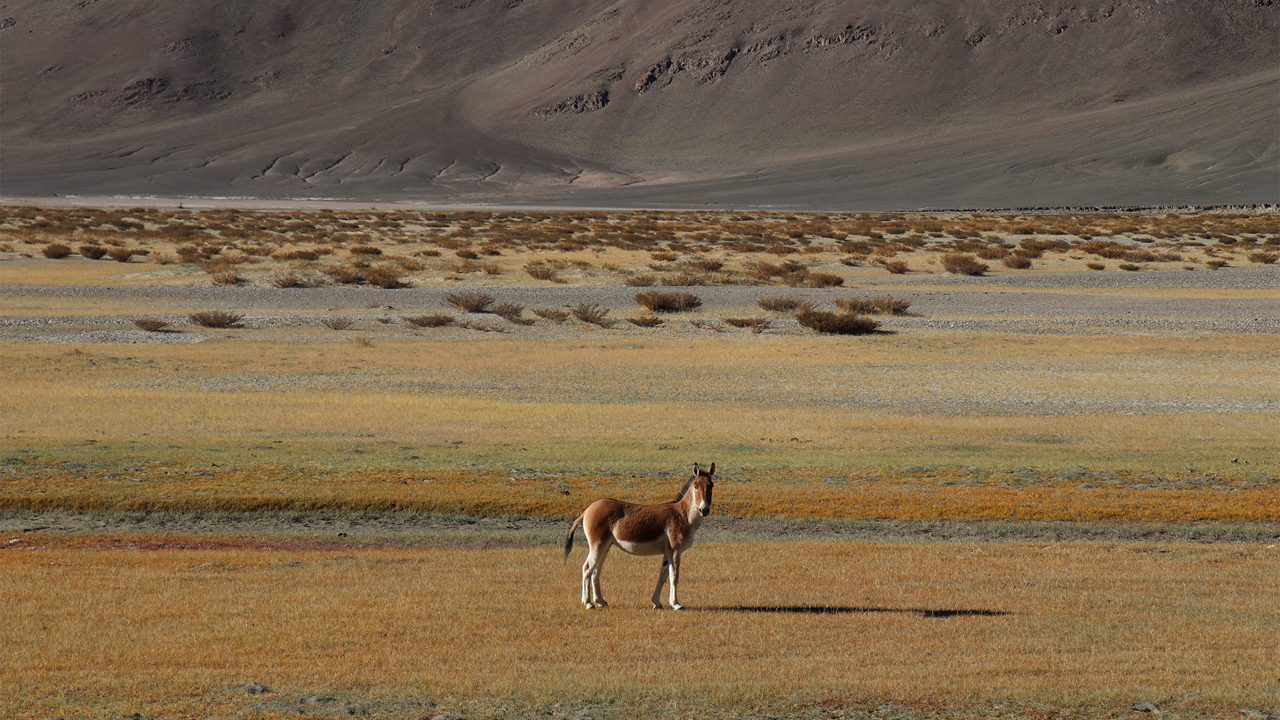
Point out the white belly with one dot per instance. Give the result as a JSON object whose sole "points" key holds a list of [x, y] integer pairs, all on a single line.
{"points": [[654, 547]]}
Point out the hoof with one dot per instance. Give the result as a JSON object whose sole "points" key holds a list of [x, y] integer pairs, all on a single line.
{"points": [[589, 606], [601, 604], [677, 607], [657, 606]]}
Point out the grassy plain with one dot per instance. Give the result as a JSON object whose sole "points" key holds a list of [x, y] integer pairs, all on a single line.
{"points": [[977, 630]]}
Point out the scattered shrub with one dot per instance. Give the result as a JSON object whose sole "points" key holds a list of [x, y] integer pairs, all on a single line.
{"points": [[291, 280], [542, 271], [756, 325], [512, 313], [1216, 263], [429, 321], [479, 326], [890, 305], [778, 303], [896, 267], [1017, 262], [338, 323], [1263, 258], [152, 324], [226, 277], [1096, 265], [646, 321], [822, 280], [466, 254], [55, 251], [961, 264], [471, 301], [594, 314], [668, 302], [216, 318], [93, 252], [552, 314], [1130, 267], [856, 305], [832, 323], [387, 277], [640, 280], [121, 254], [364, 250]]}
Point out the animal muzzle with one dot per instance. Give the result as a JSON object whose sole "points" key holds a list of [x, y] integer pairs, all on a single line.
{"points": [[704, 511]]}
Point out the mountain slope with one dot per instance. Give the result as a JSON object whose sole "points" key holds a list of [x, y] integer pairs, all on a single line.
{"points": [[837, 104]]}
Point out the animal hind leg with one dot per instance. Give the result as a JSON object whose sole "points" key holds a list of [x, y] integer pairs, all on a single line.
{"points": [[588, 568], [597, 590]]}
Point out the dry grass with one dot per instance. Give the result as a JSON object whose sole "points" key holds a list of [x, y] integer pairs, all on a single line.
{"points": [[429, 321], [1090, 628], [961, 264], [216, 318], [779, 303], [668, 302], [151, 324], [756, 325], [646, 321], [831, 323], [593, 315], [470, 301], [552, 314], [338, 323]]}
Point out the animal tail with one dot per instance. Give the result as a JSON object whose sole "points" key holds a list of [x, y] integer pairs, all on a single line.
{"points": [[568, 539]]}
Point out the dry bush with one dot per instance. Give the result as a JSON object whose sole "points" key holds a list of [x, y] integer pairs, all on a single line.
{"points": [[640, 280], [467, 254], [822, 280], [961, 264], [756, 325], [55, 251], [594, 314], [552, 314], [344, 274], [1130, 266], [856, 305], [1017, 262], [479, 326], [93, 252], [152, 324], [216, 318], [121, 254], [338, 323], [364, 250], [688, 279], [542, 271], [1096, 265], [704, 264], [430, 321], [363, 342], [895, 267], [778, 303], [646, 321], [707, 325], [890, 305], [1263, 258], [664, 256], [226, 277], [512, 313], [668, 302], [1216, 263], [992, 252], [832, 323], [471, 301], [490, 268], [291, 280], [388, 277]]}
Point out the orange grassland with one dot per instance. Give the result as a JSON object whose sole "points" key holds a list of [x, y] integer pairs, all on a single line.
{"points": [[1083, 628]]}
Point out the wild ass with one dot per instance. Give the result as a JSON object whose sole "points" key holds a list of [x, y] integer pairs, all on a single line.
{"points": [[664, 529]]}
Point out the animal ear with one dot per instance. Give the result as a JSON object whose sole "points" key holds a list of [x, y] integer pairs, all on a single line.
{"points": [[712, 471], [696, 469]]}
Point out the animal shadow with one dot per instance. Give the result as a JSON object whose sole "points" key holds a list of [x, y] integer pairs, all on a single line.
{"points": [[850, 610]]}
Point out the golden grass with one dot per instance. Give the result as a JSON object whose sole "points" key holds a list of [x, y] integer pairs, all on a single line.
{"points": [[1091, 628], [939, 495]]}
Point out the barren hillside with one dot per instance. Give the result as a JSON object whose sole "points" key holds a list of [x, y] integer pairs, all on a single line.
{"points": [[814, 103]]}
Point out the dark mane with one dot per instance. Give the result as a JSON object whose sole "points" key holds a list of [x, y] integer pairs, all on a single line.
{"points": [[685, 488]]}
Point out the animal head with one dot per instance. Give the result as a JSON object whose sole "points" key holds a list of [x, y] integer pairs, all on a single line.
{"points": [[701, 486]]}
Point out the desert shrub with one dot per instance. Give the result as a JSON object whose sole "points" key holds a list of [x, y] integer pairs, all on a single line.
{"points": [[512, 313], [388, 277], [479, 326], [226, 277], [754, 324], [688, 279], [1263, 258], [961, 264], [429, 321], [1096, 265], [296, 254], [542, 271], [344, 274], [121, 254], [832, 323], [856, 304], [707, 325], [467, 254], [658, 301], [646, 321], [822, 280], [895, 267], [1130, 266], [704, 264], [471, 301], [364, 250], [890, 305], [291, 280], [490, 268], [338, 323], [594, 314], [1017, 262], [1216, 263], [55, 251], [152, 324], [992, 252], [216, 318], [552, 314], [778, 303], [640, 280], [93, 252]]}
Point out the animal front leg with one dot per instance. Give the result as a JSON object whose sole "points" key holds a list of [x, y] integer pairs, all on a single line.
{"points": [[674, 569], [662, 578]]}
